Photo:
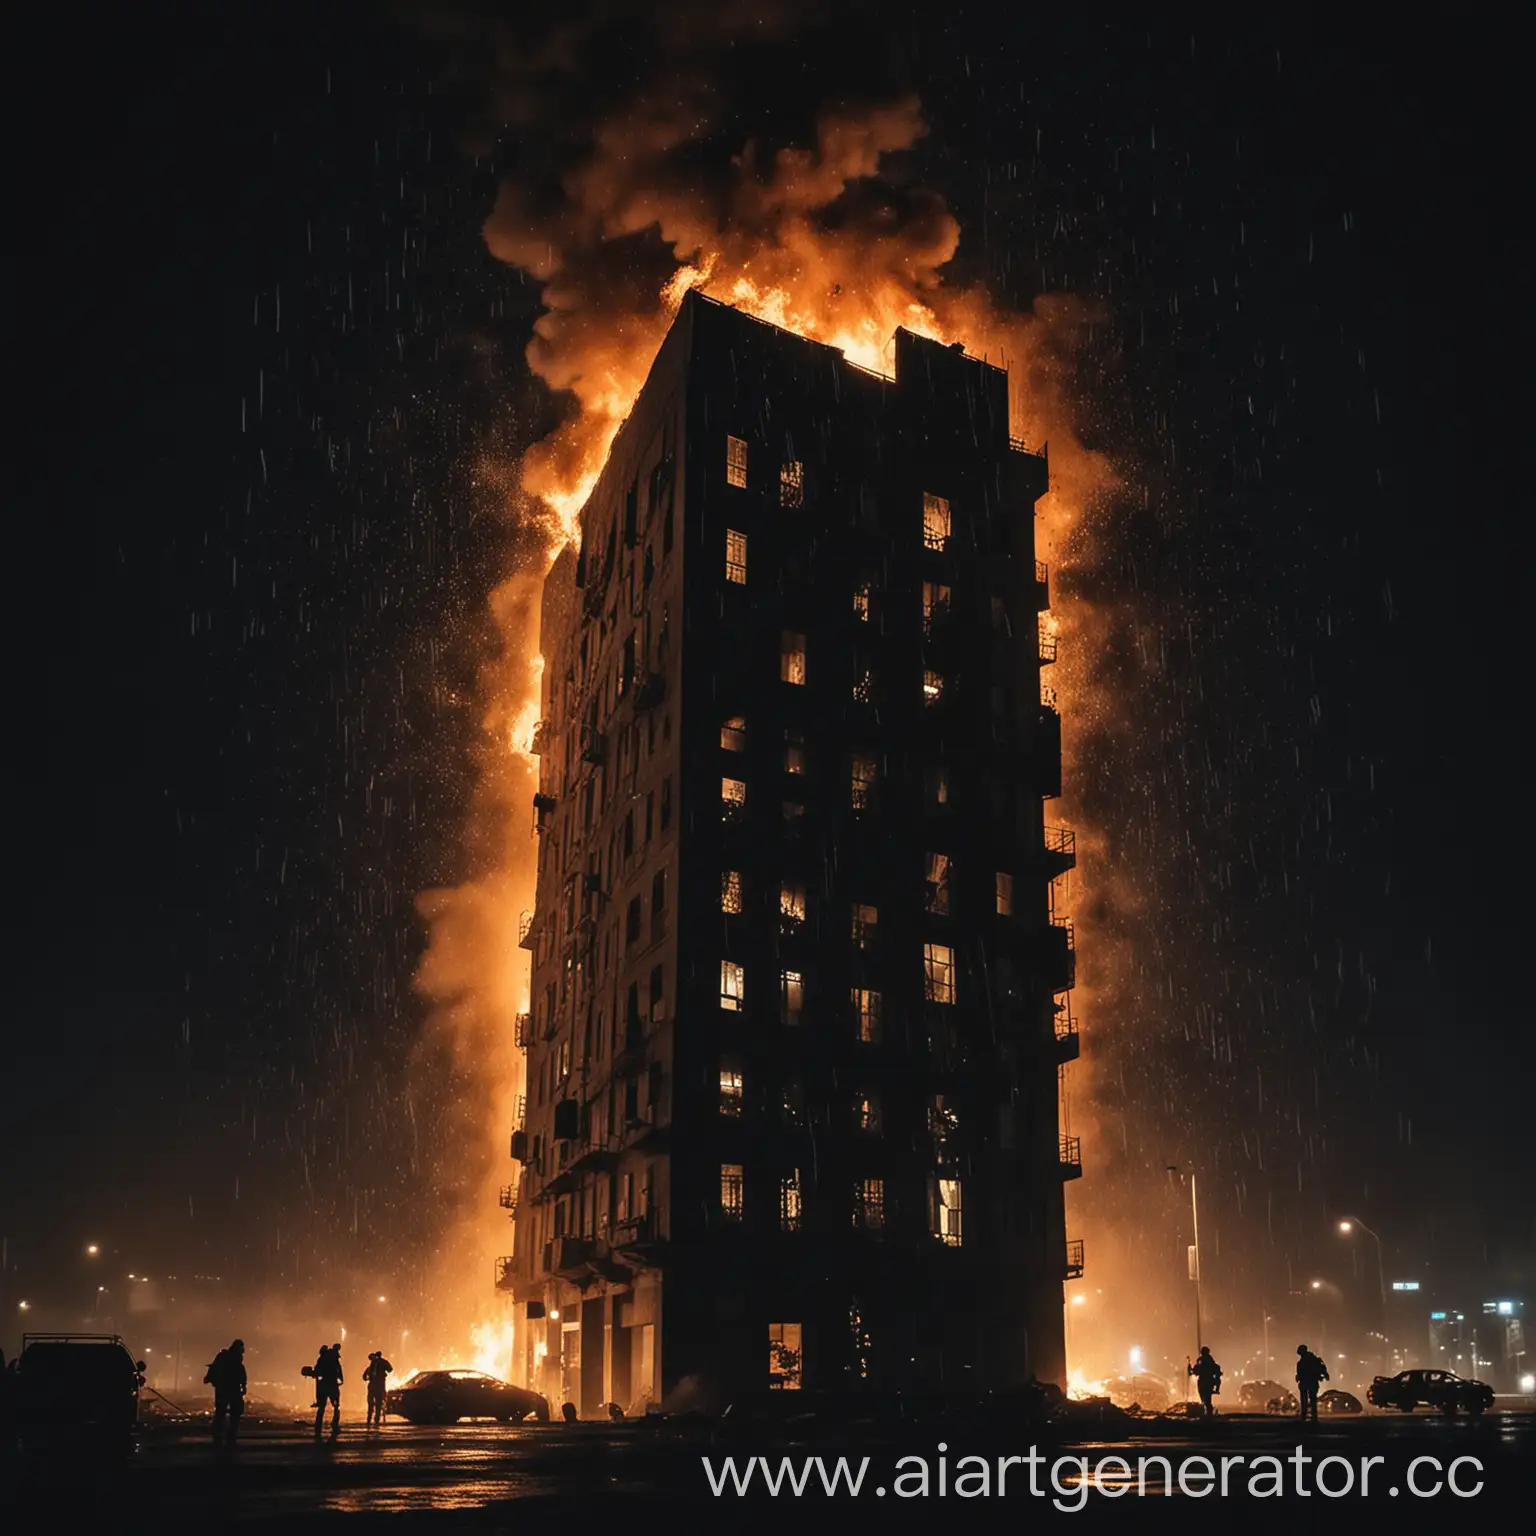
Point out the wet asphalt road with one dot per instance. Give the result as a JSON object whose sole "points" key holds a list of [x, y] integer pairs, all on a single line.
{"points": [[592, 1476]]}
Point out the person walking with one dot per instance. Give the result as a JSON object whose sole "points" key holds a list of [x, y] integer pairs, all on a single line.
{"points": [[377, 1375], [228, 1379], [328, 1380]]}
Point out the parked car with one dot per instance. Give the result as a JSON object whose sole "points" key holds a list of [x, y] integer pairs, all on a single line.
{"points": [[1256, 1396], [1435, 1389], [1335, 1401], [445, 1397], [74, 1386]]}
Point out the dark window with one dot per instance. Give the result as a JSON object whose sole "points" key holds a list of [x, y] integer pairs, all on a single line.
{"points": [[629, 835], [656, 985], [632, 922], [658, 904], [650, 812], [631, 514], [666, 804]]}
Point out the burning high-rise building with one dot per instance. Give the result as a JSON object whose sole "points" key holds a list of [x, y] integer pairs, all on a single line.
{"points": [[799, 991]]}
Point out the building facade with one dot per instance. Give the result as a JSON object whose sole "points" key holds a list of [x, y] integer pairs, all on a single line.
{"points": [[800, 997]]}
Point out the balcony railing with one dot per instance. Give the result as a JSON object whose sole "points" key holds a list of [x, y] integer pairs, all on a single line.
{"points": [[1047, 646], [524, 932], [638, 1232], [1074, 1260], [540, 743], [1060, 850], [1068, 1042], [568, 1256], [1042, 586], [523, 1031], [505, 1273], [1071, 1157], [508, 1198]]}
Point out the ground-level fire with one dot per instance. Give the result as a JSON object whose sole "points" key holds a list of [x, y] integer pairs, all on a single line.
{"points": [[800, 988]]}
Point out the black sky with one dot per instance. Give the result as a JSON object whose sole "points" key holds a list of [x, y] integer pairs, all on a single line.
{"points": [[218, 831]]}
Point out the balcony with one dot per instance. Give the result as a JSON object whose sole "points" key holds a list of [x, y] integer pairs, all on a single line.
{"points": [[508, 1198], [596, 1157], [1068, 1043], [629, 1061], [543, 805], [568, 1257], [1046, 646], [646, 1131], [593, 746], [540, 743], [1074, 1266], [522, 1031], [519, 1146], [506, 1273], [525, 938], [637, 1238], [1042, 586], [1070, 1157], [1060, 960], [1060, 851]]}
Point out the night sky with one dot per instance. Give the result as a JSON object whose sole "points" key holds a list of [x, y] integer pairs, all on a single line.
{"points": [[263, 351]]}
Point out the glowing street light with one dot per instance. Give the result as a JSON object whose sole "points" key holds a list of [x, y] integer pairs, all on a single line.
{"points": [[92, 1249], [381, 1298], [1317, 1285], [23, 1306], [1347, 1225]]}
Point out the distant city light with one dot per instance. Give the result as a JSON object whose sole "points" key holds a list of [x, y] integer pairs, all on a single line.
{"points": [[1528, 1383], [1437, 1317], [23, 1306], [1346, 1226], [381, 1298], [1405, 1285], [92, 1249], [1506, 1309], [1317, 1285]]}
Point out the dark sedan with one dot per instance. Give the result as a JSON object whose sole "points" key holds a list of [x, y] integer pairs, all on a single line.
{"points": [[445, 1397], [1434, 1389]]}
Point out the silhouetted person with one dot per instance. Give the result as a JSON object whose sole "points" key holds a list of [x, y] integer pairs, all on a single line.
{"points": [[1310, 1374], [614, 1411], [328, 1380], [568, 1412], [1207, 1376], [376, 1375], [227, 1378]]}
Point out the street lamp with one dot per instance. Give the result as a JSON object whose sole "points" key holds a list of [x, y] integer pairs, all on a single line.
{"points": [[1346, 1226], [92, 1250]]}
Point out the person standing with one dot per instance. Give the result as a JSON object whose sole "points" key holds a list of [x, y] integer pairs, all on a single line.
{"points": [[1311, 1373], [328, 1380], [228, 1379], [1207, 1374]]}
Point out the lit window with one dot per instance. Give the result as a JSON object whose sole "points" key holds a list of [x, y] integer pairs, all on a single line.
{"points": [[861, 602], [936, 784], [866, 925], [865, 772], [792, 906], [792, 658], [735, 556], [866, 1114], [944, 1206], [866, 1010], [790, 1209], [935, 520], [736, 461], [784, 1356], [863, 686], [730, 891], [794, 752], [938, 973], [937, 885], [869, 1205], [933, 687], [733, 734], [733, 798], [730, 1191], [935, 603], [1004, 894], [791, 997], [733, 985], [730, 1092], [792, 485]]}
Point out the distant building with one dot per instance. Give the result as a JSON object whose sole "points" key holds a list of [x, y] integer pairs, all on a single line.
{"points": [[799, 995]]}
